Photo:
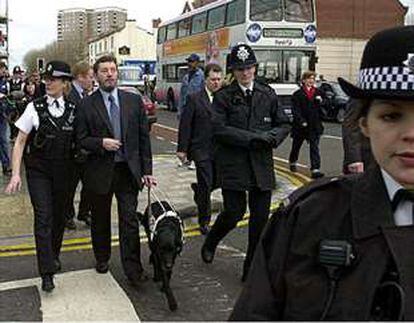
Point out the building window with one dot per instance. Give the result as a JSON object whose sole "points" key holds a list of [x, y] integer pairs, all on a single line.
{"points": [[112, 42]]}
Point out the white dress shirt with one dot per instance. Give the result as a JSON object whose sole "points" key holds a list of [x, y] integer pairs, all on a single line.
{"points": [[403, 215], [30, 119], [244, 89]]}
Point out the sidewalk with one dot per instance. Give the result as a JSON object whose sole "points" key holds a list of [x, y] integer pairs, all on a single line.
{"points": [[17, 216]]}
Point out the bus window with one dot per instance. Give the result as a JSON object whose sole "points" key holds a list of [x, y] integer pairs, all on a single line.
{"points": [[269, 68], [184, 27], [299, 10], [171, 31], [216, 18], [199, 23], [236, 12], [296, 62], [266, 10], [161, 35]]}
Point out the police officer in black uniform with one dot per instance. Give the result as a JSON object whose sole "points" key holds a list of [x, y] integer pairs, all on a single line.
{"points": [[45, 139], [247, 125], [340, 249], [16, 81]]}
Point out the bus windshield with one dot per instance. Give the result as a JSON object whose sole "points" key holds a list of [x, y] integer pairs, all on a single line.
{"points": [[276, 10], [282, 66]]}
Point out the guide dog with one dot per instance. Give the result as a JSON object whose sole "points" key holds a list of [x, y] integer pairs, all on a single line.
{"points": [[165, 240]]}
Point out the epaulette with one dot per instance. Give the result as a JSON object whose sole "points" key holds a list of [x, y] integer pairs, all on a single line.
{"points": [[302, 193]]}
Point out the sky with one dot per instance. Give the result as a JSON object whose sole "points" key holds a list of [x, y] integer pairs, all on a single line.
{"points": [[33, 23]]}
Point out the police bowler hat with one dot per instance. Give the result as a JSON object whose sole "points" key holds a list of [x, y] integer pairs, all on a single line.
{"points": [[57, 69], [193, 58], [387, 67], [242, 56]]}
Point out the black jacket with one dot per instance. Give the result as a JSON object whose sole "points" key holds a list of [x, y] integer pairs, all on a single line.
{"points": [[93, 125], [244, 137], [287, 282], [74, 96], [309, 111], [195, 131]]}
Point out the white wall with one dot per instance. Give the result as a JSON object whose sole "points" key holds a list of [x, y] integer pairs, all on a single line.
{"points": [[339, 57]]}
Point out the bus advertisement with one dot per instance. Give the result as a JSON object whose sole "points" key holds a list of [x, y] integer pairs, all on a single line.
{"points": [[281, 32]]}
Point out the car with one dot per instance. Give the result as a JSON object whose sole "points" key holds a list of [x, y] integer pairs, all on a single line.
{"points": [[335, 103], [149, 106]]}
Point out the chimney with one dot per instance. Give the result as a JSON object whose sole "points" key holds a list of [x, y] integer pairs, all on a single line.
{"points": [[156, 23]]}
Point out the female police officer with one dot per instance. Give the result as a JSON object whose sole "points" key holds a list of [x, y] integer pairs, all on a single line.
{"points": [[45, 139], [342, 248]]}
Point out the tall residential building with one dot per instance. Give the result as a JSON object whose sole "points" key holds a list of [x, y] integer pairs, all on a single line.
{"points": [[86, 24]]}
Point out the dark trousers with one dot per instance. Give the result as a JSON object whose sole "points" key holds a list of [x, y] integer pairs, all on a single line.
{"points": [[235, 203], [297, 142], [84, 207], [125, 189], [48, 194], [205, 185]]}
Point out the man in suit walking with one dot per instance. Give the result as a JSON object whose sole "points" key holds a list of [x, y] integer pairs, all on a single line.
{"points": [[113, 128], [82, 85], [195, 141]]}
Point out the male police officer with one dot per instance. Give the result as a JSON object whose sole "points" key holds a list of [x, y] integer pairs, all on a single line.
{"points": [[247, 124]]}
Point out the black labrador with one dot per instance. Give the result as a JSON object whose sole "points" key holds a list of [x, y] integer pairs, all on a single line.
{"points": [[165, 242]]}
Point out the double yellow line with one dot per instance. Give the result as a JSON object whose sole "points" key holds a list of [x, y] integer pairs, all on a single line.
{"points": [[29, 249]]}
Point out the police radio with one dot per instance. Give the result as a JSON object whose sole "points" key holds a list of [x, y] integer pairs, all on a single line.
{"points": [[334, 255]]}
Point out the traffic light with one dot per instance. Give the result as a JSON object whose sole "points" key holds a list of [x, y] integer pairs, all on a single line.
{"points": [[40, 64]]}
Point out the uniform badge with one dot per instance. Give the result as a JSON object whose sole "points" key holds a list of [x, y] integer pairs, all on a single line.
{"points": [[49, 68], [409, 62], [243, 53]]}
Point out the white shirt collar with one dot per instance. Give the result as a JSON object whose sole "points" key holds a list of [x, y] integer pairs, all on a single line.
{"points": [[51, 100], [244, 89], [209, 94], [391, 184]]}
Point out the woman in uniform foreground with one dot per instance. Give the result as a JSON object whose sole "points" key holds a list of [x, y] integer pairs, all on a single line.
{"points": [[45, 140], [341, 248]]}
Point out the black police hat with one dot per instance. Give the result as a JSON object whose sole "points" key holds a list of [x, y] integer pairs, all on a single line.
{"points": [[242, 56], [17, 70], [57, 69], [387, 67]]}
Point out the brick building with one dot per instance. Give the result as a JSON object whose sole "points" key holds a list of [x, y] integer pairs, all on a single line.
{"points": [[344, 26]]}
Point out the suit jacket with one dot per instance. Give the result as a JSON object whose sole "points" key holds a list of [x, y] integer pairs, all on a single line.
{"points": [[195, 130], [309, 111], [93, 124], [286, 281], [74, 96]]}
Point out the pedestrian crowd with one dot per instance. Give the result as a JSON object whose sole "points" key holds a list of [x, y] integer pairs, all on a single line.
{"points": [[336, 249]]}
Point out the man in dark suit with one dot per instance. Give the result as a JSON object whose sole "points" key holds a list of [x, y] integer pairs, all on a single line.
{"points": [[195, 141], [81, 86], [113, 128]]}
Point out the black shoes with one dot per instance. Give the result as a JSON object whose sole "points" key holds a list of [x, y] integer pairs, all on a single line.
{"points": [[204, 229], [102, 267], [138, 279], [70, 224], [86, 218], [316, 173], [293, 168], [47, 283], [207, 254]]}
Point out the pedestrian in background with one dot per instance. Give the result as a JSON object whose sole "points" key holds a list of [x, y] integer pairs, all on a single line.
{"points": [[4, 125], [247, 125], [191, 83], [341, 249], [195, 141], [82, 85], [113, 128], [45, 140], [307, 123]]}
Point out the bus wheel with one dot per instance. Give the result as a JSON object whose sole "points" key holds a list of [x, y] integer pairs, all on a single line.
{"points": [[171, 102]]}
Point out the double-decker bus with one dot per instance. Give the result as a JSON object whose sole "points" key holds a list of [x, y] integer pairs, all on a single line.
{"points": [[281, 32]]}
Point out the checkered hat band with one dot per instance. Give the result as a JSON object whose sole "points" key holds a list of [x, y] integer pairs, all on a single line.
{"points": [[394, 78]]}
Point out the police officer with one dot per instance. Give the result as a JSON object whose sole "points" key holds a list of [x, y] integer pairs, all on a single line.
{"points": [[45, 139], [341, 249], [247, 125], [16, 81]]}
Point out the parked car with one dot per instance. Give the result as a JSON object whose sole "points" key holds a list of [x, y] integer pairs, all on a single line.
{"points": [[335, 103], [149, 106]]}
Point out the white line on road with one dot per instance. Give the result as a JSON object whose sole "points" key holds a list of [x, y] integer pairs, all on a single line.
{"points": [[82, 296], [160, 138], [173, 143], [332, 137]]}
